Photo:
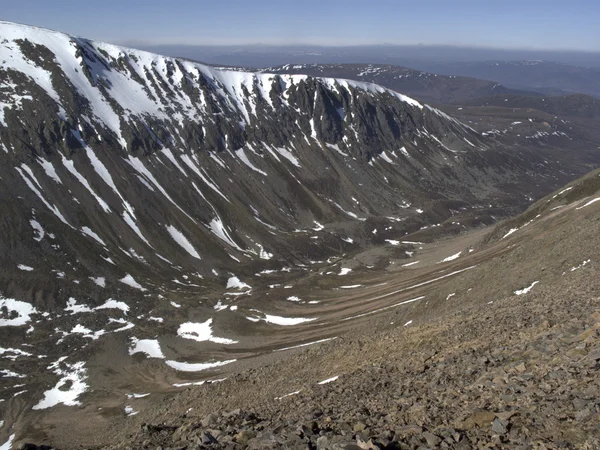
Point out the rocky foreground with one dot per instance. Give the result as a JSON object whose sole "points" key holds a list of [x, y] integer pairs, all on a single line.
{"points": [[524, 374], [488, 370]]}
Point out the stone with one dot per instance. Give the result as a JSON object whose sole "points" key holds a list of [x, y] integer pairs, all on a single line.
{"points": [[499, 426], [406, 431], [432, 439], [322, 442], [359, 426], [209, 420], [480, 419], [244, 436], [366, 444], [594, 355], [521, 368]]}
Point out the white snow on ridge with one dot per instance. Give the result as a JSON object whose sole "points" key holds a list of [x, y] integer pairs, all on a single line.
{"points": [[129, 411], [288, 155], [375, 89], [16, 353], [140, 98], [584, 263], [384, 308], [10, 374], [288, 395], [244, 158], [129, 221], [182, 241]]}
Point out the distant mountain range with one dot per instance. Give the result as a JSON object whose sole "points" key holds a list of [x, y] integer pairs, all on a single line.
{"points": [[550, 78], [425, 86], [259, 55], [545, 71]]}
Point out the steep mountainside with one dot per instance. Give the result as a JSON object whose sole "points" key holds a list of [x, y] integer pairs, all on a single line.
{"points": [[161, 218], [428, 87]]}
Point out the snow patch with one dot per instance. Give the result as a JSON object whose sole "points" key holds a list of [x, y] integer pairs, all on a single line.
{"points": [[527, 289], [130, 281], [114, 304], [201, 332], [100, 281], [24, 311], [150, 347], [182, 241], [329, 380], [235, 283], [451, 257], [71, 385], [196, 367]]}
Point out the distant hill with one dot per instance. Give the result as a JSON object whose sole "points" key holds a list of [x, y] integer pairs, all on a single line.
{"points": [[551, 78], [573, 105], [425, 86]]}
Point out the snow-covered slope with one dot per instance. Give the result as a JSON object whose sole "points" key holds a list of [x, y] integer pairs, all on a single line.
{"points": [[124, 163]]}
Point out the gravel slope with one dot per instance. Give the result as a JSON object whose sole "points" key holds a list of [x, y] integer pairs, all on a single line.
{"points": [[485, 368]]}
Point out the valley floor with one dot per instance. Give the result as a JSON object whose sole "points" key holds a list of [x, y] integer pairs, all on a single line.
{"points": [[496, 348]]}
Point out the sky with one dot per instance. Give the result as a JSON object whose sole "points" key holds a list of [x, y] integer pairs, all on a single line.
{"points": [[524, 24]]}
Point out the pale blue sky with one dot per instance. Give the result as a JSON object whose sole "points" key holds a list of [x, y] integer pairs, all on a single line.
{"points": [[547, 24]]}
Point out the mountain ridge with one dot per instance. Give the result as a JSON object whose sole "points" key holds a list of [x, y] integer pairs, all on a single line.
{"points": [[429, 87]]}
